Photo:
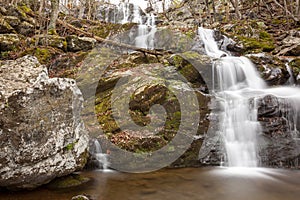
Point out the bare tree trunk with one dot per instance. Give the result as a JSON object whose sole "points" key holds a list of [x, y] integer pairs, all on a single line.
{"points": [[237, 9], [42, 4], [227, 11], [54, 16], [298, 8], [214, 10], [82, 4]]}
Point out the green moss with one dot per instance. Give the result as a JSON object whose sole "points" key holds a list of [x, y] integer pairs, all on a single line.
{"points": [[72, 180], [42, 54], [25, 8], [264, 43], [52, 32], [70, 147], [264, 35]]}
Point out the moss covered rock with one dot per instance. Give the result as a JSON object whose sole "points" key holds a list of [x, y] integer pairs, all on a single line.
{"points": [[5, 27], [51, 40], [12, 20], [251, 35], [295, 66], [9, 42], [146, 83], [69, 181]]}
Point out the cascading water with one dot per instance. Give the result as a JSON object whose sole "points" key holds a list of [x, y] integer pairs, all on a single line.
{"points": [[236, 85], [131, 13], [100, 157]]}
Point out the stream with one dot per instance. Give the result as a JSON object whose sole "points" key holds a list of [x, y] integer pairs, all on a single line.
{"points": [[184, 184]]}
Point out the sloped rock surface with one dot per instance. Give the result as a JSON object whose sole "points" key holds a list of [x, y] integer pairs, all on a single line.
{"points": [[279, 142], [41, 133]]}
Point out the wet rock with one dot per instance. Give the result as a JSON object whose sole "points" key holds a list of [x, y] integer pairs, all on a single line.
{"points": [[280, 140], [72, 180], [5, 27], [75, 43], [42, 135], [9, 42], [271, 68], [295, 66]]}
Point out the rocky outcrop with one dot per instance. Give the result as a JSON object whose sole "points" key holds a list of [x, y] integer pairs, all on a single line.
{"points": [[75, 43], [41, 132], [5, 27], [279, 143], [271, 68], [295, 67], [290, 45], [9, 41], [51, 40], [147, 86]]}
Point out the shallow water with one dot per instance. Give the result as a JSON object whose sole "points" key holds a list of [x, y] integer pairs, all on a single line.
{"points": [[183, 184]]}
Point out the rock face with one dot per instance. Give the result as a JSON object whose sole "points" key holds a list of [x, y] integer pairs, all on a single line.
{"points": [[8, 41], [41, 133], [272, 70], [75, 43], [148, 84], [279, 142], [290, 46]]}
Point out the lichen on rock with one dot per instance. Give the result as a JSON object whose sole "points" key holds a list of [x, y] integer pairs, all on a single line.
{"points": [[40, 119]]}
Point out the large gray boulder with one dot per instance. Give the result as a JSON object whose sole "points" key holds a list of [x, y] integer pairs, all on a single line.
{"points": [[41, 132]]}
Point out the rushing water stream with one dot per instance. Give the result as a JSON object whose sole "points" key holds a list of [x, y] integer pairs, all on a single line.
{"points": [[236, 83]]}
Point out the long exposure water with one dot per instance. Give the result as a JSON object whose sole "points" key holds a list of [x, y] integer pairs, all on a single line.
{"points": [[183, 184], [236, 83]]}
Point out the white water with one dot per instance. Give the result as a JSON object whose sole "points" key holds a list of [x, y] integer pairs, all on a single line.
{"points": [[132, 13], [100, 156], [236, 82]]}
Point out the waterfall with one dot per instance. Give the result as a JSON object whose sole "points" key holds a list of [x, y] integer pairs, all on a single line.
{"points": [[100, 157], [236, 83], [131, 13]]}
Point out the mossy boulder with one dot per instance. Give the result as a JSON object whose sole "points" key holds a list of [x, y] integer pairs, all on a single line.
{"points": [[43, 54], [51, 40], [251, 35], [271, 68], [195, 68], [175, 41], [72, 180], [12, 20], [295, 66], [66, 65], [9, 42], [146, 83], [5, 27]]}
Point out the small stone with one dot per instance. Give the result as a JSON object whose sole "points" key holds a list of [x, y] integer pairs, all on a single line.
{"points": [[80, 197]]}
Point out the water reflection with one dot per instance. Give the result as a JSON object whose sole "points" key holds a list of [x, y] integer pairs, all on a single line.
{"points": [[183, 184]]}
